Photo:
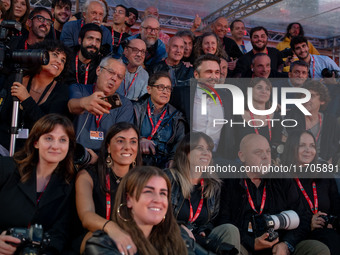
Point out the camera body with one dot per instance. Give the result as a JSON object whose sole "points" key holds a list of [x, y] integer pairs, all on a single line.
{"points": [[263, 223], [33, 239], [287, 52], [331, 219], [326, 73]]}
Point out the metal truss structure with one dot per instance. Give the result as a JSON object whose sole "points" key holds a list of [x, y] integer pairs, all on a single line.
{"points": [[238, 9]]}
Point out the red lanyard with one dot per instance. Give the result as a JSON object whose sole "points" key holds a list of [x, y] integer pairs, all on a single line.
{"points": [[315, 194], [264, 195], [82, 23], [313, 66], [154, 129], [26, 45], [86, 71], [133, 80], [108, 197], [269, 126], [113, 38], [193, 217]]}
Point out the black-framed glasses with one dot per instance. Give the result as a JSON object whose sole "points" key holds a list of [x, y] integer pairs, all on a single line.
{"points": [[42, 19], [136, 50], [112, 73], [151, 29], [162, 87]]}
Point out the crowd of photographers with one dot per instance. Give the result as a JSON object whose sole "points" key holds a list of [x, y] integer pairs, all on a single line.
{"points": [[83, 100]]}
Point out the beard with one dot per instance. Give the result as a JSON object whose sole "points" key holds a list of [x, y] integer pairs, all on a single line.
{"points": [[89, 54], [258, 48]]}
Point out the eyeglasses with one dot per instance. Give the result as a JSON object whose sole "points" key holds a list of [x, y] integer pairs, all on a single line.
{"points": [[136, 50], [162, 87], [113, 73], [119, 11], [42, 19], [151, 29]]}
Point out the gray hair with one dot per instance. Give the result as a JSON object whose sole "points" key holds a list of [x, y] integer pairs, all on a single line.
{"points": [[105, 61], [88, 2]]}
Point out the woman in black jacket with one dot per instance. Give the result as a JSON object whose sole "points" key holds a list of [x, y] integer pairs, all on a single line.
{"points": [[36, 186], [321, 196]]}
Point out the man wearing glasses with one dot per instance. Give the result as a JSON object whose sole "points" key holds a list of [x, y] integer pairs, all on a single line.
{"points": [[136, 78], [155, 48], [120, 16], [39, 23], [160, 124], [97, 107]]}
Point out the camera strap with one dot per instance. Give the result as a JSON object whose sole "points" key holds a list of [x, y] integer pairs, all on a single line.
{"points": [[255, 127], [251, 202], [193, 217], [154, 128], [313, 66], [314, 207]]}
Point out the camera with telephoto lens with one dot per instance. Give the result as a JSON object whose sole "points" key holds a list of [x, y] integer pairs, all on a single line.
{"points": [[326, 73], [331, 219], [20, 58], [263, 223], [82, 157], [33, 239]]}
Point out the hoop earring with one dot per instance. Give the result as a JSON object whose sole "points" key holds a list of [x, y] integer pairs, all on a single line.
{"points": [[120, 216], [109, 161], [134, 163]]}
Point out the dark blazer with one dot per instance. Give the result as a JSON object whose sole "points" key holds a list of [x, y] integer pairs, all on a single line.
{"points": [[19, 203]]}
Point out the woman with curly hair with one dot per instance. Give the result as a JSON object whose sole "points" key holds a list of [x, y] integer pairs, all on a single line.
{"points": [[209, 43]]}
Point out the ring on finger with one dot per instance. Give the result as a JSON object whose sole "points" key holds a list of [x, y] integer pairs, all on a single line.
{"points": [[129, 247]]}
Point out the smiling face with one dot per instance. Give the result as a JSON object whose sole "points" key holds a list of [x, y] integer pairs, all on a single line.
{"points": [[135, 58], [61, 12], [110, 77], [56, 64], [220, 27], [175, 49], [38, 28], [160, 98], [152, 205], [209, 70], [123, 147], [261, 92], [94, 14], [301, 50], [209, 44], [306, 150], [200, 155], [259, 40], [149, 31], [91, 44], [53, 146], [19, 8]]}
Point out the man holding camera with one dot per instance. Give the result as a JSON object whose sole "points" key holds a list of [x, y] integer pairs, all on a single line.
{"points": [[317, 63], [97, 107], [247, 202]]}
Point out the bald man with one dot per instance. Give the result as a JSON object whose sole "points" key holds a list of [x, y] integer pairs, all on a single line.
{"points": [[179, 73], [256, 194], [94, 112]]}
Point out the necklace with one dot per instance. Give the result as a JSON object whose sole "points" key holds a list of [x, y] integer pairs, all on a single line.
{"points": [[38, 92], [118, 179]]}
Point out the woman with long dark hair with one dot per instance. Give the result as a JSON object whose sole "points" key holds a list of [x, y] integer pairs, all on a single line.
{"points": [[321, 196], [195, 193], [142, 209], [96, 186], [36, 186]]}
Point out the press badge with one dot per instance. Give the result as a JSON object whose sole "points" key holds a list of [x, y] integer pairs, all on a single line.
{"points": [[23, 133], [97, 135], [250, 227]]}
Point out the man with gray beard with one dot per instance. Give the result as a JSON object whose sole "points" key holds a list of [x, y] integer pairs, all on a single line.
{"points": [[155, 48]]}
